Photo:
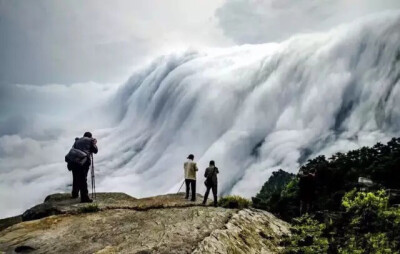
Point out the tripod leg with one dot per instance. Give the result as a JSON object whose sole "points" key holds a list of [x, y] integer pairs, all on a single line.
{"points": [[181, 187], [94, 186]]}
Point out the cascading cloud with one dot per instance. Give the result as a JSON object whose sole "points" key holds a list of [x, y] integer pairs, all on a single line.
{"points": [[252, 108]]}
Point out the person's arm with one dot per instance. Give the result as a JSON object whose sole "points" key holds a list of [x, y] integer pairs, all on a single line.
{"points": [[206, 173], [73, 146], [195, 167], [94, 148], [216, 170]]}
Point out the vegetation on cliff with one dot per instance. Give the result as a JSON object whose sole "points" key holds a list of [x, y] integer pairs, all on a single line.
{"points": [[234, 202], [276, 194], [367, 225], [334, 177], [346, 217]]}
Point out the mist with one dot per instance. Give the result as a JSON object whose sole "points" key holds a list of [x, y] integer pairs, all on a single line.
{"points": [[253, 21], [251, 108]]}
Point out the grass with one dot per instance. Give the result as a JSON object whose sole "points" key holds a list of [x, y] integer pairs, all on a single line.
{"points": [[92, 208], [234, 202]]}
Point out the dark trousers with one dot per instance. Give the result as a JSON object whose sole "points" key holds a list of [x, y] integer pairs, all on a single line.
{"points": [[214, 188], [190, 184], [79, 181], [305, 206]]}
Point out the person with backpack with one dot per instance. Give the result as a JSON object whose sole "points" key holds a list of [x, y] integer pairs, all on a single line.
{"points": [[190, 169], [211, 182], [78, 161]]}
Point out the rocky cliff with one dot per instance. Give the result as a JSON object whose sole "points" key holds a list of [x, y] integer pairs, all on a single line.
{"points": [[118, 223]]}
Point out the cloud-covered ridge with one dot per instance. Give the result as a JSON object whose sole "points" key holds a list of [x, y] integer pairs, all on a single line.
{"points": [[252, 109]]}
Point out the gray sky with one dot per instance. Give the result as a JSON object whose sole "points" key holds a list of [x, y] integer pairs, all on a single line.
{"points": [[54, 54], [79, 41], [259, 21], [64, 42]]}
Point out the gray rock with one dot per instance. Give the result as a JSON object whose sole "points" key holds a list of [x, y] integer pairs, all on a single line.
{"points": [[7, 222], [40, 211], [62, 203], [162, 224]]}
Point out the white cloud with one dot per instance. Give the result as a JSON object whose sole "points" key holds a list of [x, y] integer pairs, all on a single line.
{"points": [[252, 108], [260, 21], [73, 41]]}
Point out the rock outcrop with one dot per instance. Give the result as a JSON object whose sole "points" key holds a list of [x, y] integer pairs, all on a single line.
{"points": [[61, 203], [118, 223]]}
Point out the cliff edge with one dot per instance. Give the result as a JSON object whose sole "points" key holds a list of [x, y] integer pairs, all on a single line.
{"points": [[118, 223]]}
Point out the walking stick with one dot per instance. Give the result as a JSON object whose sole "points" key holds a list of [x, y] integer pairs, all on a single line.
{"points": [[181, 186], [93, 179]]}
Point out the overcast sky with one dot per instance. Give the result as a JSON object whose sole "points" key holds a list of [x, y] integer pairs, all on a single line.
{"points": [[79, 41], [64, 42], [61, 62]]}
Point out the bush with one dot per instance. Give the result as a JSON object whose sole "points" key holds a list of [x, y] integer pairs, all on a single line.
{"points": [[307, 237], [234, 202], [334, 177], [279, 195], [92, 208], [373, 227], [367, 225], [357, 202]]}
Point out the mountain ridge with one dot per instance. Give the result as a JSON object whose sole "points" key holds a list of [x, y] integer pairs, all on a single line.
{"points": [[118, 223]]}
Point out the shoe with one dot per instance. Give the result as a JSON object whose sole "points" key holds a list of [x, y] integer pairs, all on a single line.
{"points": [[86, 200], [193, 200], [74, 197]]}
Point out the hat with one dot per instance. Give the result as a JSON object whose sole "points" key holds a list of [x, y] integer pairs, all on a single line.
{"points": [[87, 134], [191, 156]]}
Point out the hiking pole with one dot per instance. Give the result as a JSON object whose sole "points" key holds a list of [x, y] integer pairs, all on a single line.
{"points": [[93, 179], [181, 186]]}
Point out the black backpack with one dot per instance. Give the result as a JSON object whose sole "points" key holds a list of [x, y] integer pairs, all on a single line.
{"points": [[76, 156]]}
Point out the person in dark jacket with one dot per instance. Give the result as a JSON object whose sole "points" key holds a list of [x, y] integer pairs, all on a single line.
{"points": [[306, 191], [211, 182], [88, 145]]}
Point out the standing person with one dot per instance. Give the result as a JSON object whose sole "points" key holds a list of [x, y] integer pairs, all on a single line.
{"points": [[79, 161], [306, 191], [211, 182], [190, 169]]}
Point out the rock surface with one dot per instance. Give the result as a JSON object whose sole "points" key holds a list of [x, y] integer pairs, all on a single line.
{"points": [[61, 203], [162, 224], [7, 222]]}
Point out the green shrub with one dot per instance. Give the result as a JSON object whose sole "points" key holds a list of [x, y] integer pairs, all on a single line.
{"points": [[366, 225], [307, 237], [92, 208], [356, 202], [343, 220], [234, 202], [377, 243], [372, 226], [279, 195], [334, 177]]}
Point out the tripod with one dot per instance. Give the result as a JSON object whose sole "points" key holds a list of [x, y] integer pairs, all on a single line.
{"points": [[93, 178], [181, 186]]}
